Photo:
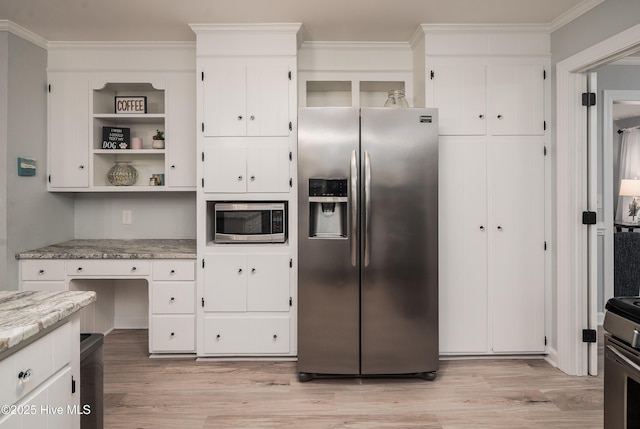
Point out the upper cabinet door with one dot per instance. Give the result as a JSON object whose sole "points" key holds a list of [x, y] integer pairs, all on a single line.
{"points": [[181, 110], [517, 99], [68, 132], [459, 92], [225, 169], [248, 97]]}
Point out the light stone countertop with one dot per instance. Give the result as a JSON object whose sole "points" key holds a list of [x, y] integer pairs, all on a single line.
{"points": [[26, 314], [115, 249]]}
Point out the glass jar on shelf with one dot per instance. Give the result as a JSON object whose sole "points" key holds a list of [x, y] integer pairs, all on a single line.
{"points": [[396, 99]]}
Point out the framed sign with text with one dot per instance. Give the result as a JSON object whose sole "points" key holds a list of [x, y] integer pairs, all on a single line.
{"points": [[131, 104]]}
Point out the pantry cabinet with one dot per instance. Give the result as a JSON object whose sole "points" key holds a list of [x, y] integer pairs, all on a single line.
{"points": [[246, 97], [490, 86]]}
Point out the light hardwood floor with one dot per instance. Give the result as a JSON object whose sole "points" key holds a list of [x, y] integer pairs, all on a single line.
{"points": [[162, 393]]}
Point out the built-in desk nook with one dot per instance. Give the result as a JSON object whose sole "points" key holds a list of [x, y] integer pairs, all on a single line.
{"points": [[139, 284]]}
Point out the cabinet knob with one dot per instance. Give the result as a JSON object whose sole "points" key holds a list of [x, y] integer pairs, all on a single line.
{"points": [[252, 178], [252, 117], [481, 227], [253, 270], [172, 272], [172, 299], [481, 116], [81, 167], [275, 337], [218, 337], [173, 334], [499, 116], [499, 228], [239, 117], [24, 376], [173, 167], [239, 178], [239, 270], [133, 268], [79, 269], [41, 273]]}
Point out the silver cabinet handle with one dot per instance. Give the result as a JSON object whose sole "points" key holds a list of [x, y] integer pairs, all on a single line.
{"points": [[239, 117], [481, 116], [499, 228], [81, 167], [41, 273], [252, 178], [172, 299], [354, 208], [252, 117], [133, 269], [275, 337], [239, 270], [173, 167], [499, 116], [172, 272], [218, 337], [239, 178], [253, 270], [173, 334], [79, 269], [367, 208]]}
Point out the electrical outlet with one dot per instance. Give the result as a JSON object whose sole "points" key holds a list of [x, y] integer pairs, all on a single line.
{"points": [[126, 217]]}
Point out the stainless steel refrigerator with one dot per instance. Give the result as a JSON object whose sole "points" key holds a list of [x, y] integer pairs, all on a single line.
{"points": [[368, 241]]}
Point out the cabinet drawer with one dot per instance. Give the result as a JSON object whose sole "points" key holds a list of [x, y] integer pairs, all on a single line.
{"points": [[50, 286], [36, 269], [252, 335], [173, 334], [174, 270], [108, 268], [173, 297]]}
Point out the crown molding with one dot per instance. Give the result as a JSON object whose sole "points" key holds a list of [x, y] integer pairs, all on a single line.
{"points": [[23, 33], [573, 13], [121, 45], [482, 28], [344, 46], [247, 28]]}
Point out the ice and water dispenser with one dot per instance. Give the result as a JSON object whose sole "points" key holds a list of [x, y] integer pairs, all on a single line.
{"points": [[328, 209]]}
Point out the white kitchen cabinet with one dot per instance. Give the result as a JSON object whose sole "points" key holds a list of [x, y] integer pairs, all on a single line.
{"points": [[233, 335], [43, 275], [236, 168], [491, 245], [475, 98], [246, 97], [241, 283], [43, 399], [68, 132]]}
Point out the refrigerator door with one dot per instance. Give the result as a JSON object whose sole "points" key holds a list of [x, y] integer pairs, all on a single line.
{"points": [[399, 291], [328, 278]]}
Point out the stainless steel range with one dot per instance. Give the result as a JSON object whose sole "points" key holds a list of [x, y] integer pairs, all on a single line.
{"points": [[622, 363]]}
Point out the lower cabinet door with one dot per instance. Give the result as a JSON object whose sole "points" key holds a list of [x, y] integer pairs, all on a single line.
{"points": [[174, 333], [237, 335]]}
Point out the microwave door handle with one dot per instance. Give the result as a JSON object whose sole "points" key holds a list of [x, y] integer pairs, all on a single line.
{"points": [[367, 208], [354, 208]]}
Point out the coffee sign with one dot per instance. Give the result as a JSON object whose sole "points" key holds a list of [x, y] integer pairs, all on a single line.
{"points": [[115, 138], [131, 104]]}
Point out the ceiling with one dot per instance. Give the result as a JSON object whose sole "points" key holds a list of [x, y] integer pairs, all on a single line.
{"points": [[323, 20]]}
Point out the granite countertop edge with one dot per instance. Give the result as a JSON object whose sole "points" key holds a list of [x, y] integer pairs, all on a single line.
{"points": [[25, 314], [115, 249]]}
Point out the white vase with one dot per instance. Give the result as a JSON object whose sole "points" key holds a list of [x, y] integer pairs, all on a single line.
{"points": [[158, 144]]}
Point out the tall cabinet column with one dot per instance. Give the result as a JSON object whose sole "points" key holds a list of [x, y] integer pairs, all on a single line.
{"points": [[247, 152], [491, 86]]}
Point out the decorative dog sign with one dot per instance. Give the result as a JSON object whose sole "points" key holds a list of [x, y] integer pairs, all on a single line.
{"points": [[115, 138]]}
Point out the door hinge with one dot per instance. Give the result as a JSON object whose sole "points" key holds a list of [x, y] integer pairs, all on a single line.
{"points": [[545, 340], [432, 74], [589, 336], [202, 156], [49, 178], [202, 182], [49, 87], [202, 262], [544, 151], [73, 385], [290, 156], [201, 75], [289, 74], [588, 99], [589, 218], [545, 245], [290, 262], [544, 125], [202, 127], [544, 74], [290, 302], [202, 302], [290, 126], [290, 182]]}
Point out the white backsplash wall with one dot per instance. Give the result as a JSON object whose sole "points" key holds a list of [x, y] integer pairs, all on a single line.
{"points": [[157, 215]]}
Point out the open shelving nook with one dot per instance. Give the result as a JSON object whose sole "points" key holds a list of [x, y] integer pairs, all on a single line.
{"points": [[147, 161], [338, 92]]}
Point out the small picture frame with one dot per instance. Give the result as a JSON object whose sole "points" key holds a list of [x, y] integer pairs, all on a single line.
{"points": [[133, 104]]}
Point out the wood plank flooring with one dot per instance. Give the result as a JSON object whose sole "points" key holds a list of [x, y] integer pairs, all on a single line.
{"points": [[162, 393]]}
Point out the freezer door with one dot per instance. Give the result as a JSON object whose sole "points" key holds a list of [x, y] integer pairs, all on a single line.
{"points": [[399, 292], [328, 278]]}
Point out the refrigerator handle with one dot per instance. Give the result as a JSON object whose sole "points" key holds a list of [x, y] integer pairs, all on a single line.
{"points": [[367, 208], [354, 208]]}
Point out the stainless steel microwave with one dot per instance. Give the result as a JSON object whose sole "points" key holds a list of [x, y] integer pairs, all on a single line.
{"points": [[250, 222]]}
